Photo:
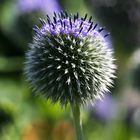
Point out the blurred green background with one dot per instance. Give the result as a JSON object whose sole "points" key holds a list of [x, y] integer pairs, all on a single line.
{"points": [[26, 117]]}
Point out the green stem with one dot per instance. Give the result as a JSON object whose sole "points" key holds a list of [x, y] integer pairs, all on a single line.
{"points": [[77, 122]]}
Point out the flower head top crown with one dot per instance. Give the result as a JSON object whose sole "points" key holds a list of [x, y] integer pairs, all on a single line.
{"points": [[70, 60]]}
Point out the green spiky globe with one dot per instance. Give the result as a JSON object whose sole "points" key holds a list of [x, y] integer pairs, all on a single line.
{"points": [[70, 60]]}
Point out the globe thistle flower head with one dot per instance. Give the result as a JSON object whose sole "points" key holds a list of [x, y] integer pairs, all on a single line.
{"points": [[69, 60]]}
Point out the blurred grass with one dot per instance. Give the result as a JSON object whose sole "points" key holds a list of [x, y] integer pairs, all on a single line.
{"points": [[11, 64]]}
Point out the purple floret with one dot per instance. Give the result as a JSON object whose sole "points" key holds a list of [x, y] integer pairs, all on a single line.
{"points": [[67, 25]]}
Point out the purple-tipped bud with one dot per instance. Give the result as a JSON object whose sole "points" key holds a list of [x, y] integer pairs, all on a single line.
{"points": [[69, 60]]}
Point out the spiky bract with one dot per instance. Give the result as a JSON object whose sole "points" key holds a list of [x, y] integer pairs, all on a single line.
{"points": [[70, 60]]}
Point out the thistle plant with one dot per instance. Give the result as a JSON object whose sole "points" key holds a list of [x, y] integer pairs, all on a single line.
{"points": [[70, 61]]}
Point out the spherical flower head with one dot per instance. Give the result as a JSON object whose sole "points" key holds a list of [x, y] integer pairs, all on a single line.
{"points": [[70, 60]]}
